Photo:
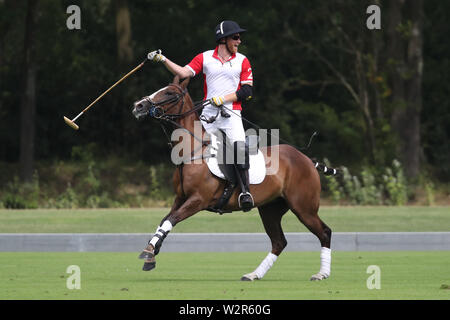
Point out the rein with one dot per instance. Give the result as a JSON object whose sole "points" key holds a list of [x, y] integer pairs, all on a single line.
{"points": [[315, 133], [174, 100], [160, 114]]}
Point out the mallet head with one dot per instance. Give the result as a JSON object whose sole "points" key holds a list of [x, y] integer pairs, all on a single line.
{"points": [[71, 124]]}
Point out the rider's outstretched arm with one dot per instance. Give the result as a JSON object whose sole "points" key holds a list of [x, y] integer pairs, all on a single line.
{"points": [[175, 69], [182, 72]]}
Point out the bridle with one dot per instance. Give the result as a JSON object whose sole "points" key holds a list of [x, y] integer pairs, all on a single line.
{"points": [[156, 111]]}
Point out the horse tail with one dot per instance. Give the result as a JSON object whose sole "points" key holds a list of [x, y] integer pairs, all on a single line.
{"points": [[324, 169]]}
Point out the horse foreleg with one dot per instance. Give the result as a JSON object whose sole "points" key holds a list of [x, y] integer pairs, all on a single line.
{"points": [[154, 245], [178, 213], [155, 242], [271, 215]]}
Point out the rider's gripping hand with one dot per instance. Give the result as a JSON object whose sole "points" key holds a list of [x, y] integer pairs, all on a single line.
{"points": [[217, 101], [156, 56]]}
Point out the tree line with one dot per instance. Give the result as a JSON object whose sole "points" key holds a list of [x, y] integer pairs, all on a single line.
{"points": [[374, 95]]}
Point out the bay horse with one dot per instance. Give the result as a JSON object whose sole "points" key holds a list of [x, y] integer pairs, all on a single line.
{"points": [[295, 186]]}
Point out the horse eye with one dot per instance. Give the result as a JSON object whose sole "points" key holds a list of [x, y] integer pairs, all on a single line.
{"points": [[168, 93]]}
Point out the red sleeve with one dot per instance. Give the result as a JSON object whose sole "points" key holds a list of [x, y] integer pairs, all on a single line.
{"points": [[196, 65], [246, 72]]}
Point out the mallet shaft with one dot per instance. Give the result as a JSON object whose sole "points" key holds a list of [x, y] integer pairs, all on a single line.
{"points": [[72, 123], [115, 84]]}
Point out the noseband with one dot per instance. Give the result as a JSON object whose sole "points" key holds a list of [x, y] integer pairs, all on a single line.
{"points": [[158, 112]]}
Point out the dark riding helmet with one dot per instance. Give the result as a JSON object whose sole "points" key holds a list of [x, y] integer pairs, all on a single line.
{"points": [[227, 28]]}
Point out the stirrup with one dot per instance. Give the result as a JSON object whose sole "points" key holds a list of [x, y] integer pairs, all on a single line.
{"points": [[246, 208]]}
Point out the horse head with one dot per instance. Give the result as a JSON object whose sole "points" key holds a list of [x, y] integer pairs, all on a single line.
{"points": [[163, 103]]}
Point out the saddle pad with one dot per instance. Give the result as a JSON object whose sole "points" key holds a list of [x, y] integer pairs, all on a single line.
{"points": [[257, 171]]}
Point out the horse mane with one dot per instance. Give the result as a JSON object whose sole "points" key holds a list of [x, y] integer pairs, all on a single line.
{"points": [[184, 83]]}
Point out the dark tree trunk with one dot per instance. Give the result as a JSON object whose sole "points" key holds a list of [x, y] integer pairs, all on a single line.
{"points": [[123, 31], [28, 99], [125, 59], [405, 42], [412, 148]]}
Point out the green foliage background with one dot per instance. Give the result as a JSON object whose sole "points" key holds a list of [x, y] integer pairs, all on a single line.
{"points": [[293, 91]]}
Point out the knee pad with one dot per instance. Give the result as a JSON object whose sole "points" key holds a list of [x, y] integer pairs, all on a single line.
{"points": [[252, 143], [241, 155]]}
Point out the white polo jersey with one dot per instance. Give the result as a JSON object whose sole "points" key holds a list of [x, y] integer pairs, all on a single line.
{"points": [[220, 78]]}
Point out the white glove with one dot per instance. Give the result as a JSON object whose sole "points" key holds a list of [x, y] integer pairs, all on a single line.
{"points": [[217, 101], [156, 56]]}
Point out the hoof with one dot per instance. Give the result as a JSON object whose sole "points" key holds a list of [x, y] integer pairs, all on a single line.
{"points": [[149, 266], [147, 255], [249, 277], [318, 276]]}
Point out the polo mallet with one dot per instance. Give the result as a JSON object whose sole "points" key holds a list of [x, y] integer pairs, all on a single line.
{"points": [[72, 123]]}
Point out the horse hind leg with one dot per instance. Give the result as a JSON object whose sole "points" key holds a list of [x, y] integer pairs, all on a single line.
{"points": [[310, 218], [271, 215], [325, 254]]}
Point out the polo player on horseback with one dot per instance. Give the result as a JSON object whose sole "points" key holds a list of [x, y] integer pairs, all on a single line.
{"points": [[228, 81]]}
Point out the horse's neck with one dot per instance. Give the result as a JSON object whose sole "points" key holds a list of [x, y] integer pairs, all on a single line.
{"points": [[191, 120], [192, 123]]}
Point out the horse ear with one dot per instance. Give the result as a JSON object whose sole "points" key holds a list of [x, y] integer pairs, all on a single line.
{"points": [[185, 82], [176, 80]]}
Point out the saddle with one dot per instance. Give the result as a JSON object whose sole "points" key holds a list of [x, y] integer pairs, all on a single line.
{"points": [[220, 149]]}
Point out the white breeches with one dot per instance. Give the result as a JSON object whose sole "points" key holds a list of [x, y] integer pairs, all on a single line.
{"points": [[232, 126]]}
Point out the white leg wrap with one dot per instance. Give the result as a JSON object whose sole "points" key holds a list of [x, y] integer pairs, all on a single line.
{"points": [[265, 265], [166, 227], [325, 261]]}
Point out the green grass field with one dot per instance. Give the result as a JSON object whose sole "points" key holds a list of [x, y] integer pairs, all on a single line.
{"points": [[203, 276], [340, 219], [215, 276]]}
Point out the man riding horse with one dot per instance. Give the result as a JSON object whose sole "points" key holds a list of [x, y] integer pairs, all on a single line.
{"points": [[228, 81], [294, 187]]}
